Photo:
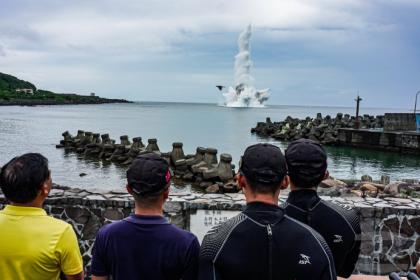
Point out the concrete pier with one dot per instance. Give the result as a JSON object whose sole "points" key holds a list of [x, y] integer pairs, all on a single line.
{"points": [[394, 141]]}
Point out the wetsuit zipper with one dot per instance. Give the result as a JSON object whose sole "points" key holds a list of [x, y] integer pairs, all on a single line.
{"points": [[270, 252]]}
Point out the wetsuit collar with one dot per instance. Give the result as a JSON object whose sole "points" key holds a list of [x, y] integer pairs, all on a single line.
{"points": [[264, 213], [261, 206], [304, 199]]}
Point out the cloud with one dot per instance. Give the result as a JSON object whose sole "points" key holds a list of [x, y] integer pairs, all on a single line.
{"points": [[2, 51], [112, 47], [155, 26]]}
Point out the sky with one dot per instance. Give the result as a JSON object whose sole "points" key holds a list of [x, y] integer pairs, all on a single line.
{"points": [[308, 52]]}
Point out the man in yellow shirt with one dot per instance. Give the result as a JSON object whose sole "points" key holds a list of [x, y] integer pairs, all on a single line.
{"points": [[32, 244]]}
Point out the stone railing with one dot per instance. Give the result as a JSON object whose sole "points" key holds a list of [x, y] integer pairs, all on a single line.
{"points": [[390, 226]]}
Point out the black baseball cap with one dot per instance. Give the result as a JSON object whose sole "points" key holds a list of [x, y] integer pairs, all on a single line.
{"points": [[148, 174], [263, 163], [306, 162]]}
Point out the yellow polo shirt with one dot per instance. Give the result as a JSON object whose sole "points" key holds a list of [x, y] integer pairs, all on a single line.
{"points": [[36, 246]]}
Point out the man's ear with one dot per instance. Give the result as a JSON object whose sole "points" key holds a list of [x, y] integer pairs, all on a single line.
{"points": [[241, 180], [166, 193], [129, 189], [327, 175], [46, 187], [285, 183]]}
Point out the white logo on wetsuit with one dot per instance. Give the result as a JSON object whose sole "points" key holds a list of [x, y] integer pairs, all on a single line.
{"points": [[304, 260], [338, 238]]}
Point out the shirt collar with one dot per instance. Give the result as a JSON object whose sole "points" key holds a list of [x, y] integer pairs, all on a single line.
{"points": [[146, 219], [23, 211]]}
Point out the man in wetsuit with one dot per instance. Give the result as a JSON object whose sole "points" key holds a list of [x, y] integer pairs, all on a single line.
{"points": [[262, 242], [337, 223]]}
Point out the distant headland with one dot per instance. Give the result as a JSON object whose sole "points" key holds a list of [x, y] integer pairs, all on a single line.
{"points": [[14, 91]]}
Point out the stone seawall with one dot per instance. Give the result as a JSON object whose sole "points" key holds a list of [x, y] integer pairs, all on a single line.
{"points": [[400, 122], [402, 142], [390, 226]]}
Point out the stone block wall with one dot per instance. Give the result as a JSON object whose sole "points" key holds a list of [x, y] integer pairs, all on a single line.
{"points": [[400, 122], [390, 235], [404, 142], [390, 227]]}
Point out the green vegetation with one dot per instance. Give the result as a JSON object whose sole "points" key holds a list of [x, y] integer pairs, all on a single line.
{"points": [[10, 96]]}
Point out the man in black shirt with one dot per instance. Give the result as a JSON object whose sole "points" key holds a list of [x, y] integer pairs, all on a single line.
{"points": [[262, 242], [338, 224]]}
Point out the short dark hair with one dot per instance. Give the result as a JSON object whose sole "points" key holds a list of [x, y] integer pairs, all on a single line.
{"points": [[148, 200], [22, 177]]}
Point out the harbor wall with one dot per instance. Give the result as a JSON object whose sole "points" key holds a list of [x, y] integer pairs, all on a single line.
{"points": [[400, 122], [403, 142]]}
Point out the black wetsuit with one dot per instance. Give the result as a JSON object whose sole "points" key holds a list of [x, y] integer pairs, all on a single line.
{"points": [[264, 243], [337, 223]]}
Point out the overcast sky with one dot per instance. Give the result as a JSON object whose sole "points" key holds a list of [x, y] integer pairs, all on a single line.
{"points": [[308, 52]]}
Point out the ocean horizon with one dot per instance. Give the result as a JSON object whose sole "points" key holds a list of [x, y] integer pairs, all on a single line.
{"points": [[39, 129]]}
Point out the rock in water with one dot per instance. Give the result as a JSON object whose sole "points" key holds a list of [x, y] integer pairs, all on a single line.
{"points": [[213, 188], [332, 183], [366, 178]]}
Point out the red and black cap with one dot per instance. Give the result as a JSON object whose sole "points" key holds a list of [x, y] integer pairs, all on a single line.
{"points": [[148, 174], [306, 162], [263, 163]]}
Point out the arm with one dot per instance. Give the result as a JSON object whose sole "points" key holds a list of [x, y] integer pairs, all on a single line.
{"points": [[206, 268], [191, 269], [351, 260], [99, 277], [71, 263], [99, 267], [328, 273], [78, 276], [352, 257]]}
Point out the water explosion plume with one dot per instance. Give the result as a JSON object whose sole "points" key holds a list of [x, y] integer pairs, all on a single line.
{"points": [[244, 94]]}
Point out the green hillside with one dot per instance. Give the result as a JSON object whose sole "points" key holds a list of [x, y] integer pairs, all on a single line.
{"points": [[9, 96], [10, 83]]}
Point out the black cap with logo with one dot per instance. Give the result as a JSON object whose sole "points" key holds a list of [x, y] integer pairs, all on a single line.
{"points": [[263, 163], [306, 162], [149, 174]]}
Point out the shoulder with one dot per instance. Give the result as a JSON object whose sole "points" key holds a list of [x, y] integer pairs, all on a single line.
{"points": [[181, 234], [52, 224], [346, 212], [112, 228], [311, 239], [216, 237], [298, 228]]}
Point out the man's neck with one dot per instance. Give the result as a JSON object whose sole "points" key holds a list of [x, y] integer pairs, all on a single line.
{"points": [[294, 188], [153, 211], [264, 198]]}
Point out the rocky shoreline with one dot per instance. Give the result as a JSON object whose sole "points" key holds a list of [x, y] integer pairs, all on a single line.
{"points": [[320, 129], [209, 174]]}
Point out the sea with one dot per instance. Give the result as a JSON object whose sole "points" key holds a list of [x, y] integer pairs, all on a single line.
{"points": [[39, 129]]}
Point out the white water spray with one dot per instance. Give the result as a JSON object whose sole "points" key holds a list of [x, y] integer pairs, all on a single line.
{"points": [[244, 94]]}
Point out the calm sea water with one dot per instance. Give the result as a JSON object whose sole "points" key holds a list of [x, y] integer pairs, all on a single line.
{"points": [[38, 129]]}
